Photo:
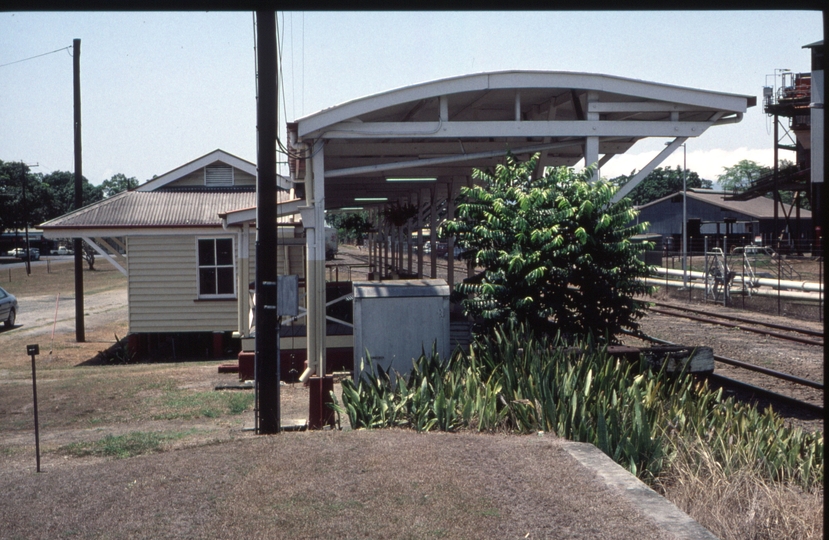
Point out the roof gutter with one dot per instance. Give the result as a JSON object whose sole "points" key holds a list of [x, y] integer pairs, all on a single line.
{"points": [[738, 117]]}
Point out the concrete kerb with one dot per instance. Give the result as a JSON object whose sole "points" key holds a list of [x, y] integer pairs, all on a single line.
{"points": [[665, 513]]}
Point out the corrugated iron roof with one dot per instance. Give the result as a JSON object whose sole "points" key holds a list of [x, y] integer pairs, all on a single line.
{"points": [[759, 208], [193, 207]]}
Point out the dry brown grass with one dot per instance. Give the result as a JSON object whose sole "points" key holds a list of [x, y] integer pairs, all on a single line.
{"points": [[357, 484], [52, 277], [741, 506]]}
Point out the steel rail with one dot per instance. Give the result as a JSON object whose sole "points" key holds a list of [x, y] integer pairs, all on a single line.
{"points": [[727, 381], [805, 331], [741, 327], [770, 372]]}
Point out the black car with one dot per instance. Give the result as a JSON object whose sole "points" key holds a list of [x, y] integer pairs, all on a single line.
{"points": [[8, 308]]}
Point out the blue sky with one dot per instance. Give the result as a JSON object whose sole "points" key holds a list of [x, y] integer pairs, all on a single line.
{"points": [[161, 89]]}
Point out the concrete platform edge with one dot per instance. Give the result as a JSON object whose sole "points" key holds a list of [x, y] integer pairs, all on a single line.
{"points": [[665, 513]]}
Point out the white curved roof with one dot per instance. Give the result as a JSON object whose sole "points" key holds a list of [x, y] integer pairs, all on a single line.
{"points": [[444, 128]]}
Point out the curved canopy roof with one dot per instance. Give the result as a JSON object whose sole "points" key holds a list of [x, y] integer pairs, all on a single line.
{"points": [[445, 128]]}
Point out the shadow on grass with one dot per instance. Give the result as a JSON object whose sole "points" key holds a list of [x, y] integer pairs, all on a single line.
{"points": [[119, 354], [116, 354]]}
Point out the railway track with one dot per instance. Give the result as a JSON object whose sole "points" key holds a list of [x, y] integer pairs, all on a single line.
{"points": [[779, 331], [752, 391]]}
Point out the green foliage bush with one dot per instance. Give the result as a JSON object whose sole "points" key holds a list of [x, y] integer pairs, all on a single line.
{"points": [[513, 381], [556, 250]]}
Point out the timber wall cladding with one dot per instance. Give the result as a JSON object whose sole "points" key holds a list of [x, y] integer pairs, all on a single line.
{"points": [[163, 289]]}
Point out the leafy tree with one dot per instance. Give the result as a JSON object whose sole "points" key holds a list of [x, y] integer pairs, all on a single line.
{"points": [[118, 183], [556, 251], [61, 185], [89, 256], [741, 175], [660, 183], [352, 225], [47, 196], [11, 194]]}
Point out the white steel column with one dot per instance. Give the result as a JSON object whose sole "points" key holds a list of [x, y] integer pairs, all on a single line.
{"points": [[433, 232], [450, 240], [409, 226], [313, 219], [591, 155], [591, 147], [244, 280], [419, 202], [386, 242], [470, 263]]}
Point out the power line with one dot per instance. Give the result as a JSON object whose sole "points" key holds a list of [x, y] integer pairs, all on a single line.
{"points": [[37, 56]]}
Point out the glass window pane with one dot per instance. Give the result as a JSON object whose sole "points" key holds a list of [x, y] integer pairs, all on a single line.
{"points": [[207, 281], [206, 253], [225, 280], [224, 251]]}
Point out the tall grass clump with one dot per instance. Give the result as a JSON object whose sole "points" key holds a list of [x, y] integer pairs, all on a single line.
{"points": [[740, 503], [512, 380]]}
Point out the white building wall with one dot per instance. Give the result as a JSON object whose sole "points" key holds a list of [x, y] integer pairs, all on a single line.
{"points": [[163, 289]]}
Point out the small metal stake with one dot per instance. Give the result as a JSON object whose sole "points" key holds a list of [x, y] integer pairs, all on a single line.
{"points": [[34, 350]]}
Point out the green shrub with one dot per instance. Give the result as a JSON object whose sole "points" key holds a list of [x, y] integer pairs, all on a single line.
{"points": [[513, 381], [556, 250]]}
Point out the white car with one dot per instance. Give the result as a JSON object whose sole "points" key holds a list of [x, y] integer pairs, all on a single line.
{"points": [[8, 308], [20, 253]]}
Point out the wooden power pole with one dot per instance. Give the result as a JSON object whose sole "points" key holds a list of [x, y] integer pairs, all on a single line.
{"points": [[76, 57], [266, 370]]}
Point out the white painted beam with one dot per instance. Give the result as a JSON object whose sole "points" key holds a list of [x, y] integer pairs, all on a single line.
{"points": [[605, 159], [380, 167], [641, 106], [558, 128], [104, 254], [647, 169], [339, 148]]}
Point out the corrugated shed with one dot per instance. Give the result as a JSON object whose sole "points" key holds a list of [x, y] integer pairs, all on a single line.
{"points": [[759, 208], [192, 207]]}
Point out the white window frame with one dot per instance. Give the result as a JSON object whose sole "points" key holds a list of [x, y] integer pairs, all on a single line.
{"points": [[220, 184], [215, 265]]}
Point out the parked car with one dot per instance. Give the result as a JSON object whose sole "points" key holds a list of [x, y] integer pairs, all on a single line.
{"points": [[754, 250], [8, 308], [20, 253]]}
